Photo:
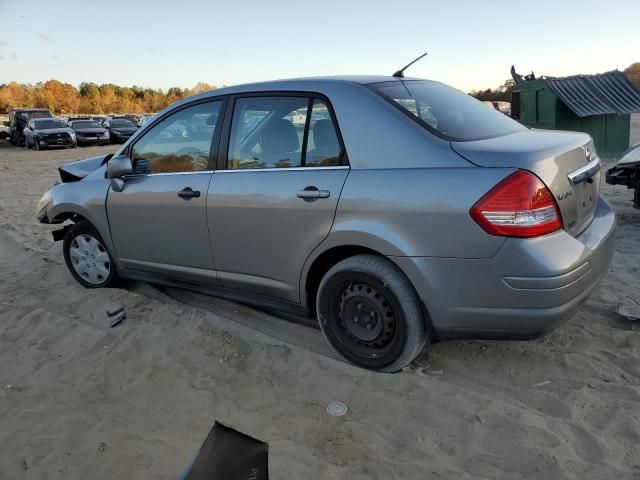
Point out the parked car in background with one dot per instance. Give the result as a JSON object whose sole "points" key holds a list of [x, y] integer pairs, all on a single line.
{"points": [[18, 119], [135, 118], [627, 172], [144, 119], [402, 211], [68, 120], [504, 107], [90, 132], [120, 129], [4, 130], [43, 133]]}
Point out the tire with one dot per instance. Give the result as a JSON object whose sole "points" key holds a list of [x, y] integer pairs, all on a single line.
{"points": [[82, 243], [354, 296]]}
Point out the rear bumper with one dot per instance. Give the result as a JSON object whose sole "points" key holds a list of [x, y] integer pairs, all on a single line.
{"points": [[526, 289]]}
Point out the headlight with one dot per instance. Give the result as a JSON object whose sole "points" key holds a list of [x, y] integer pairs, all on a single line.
{"points": [[73, 135], [105, 135], [43, 203]]}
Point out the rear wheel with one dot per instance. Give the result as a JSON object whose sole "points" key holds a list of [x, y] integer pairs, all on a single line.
{"points": [[370, 313], [87, 257]]}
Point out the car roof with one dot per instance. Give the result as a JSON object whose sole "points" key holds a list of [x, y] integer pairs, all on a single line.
{"points": [[27, 109], [303, 83]]}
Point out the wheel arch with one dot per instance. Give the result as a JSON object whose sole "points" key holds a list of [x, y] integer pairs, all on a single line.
{"points": [[322, 260], [321, 265], [74, 212]]}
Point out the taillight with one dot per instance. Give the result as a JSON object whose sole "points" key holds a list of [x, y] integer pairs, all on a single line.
{"points": [[519, 206]]}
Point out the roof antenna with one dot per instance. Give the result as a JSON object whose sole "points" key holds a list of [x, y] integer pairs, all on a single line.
{"points": [[400, 73]]}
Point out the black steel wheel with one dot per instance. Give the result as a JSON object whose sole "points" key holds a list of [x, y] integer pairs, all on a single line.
{"points": [[370, 313]]}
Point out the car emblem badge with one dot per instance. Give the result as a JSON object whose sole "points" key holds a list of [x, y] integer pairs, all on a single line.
{"points": [[564, 195]]}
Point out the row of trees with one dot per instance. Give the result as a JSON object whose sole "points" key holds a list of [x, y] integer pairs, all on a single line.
{"points": [[62, 98], [502, 93]]}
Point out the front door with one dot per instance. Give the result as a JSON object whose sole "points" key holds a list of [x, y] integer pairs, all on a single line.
{"points": [[275, 199], [158, 222]]}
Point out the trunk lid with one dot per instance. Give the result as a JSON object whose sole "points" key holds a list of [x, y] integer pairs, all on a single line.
{"points": [[566, 162]]}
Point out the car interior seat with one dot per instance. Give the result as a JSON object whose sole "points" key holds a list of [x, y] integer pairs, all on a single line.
{"points": [[280, 145], [326, 146]]}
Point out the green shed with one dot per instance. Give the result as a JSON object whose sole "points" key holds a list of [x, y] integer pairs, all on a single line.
{"points": [[599, 105]]}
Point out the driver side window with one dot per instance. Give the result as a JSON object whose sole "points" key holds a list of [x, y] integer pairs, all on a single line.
{"points": [[179, 143]]}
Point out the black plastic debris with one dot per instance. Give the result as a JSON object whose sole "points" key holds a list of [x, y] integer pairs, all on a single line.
{"points": [[629, 312], [117, 316], [115, 312], [118, 319], [227, 454]]}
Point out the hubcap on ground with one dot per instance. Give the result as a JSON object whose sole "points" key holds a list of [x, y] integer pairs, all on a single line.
{"points": [[90, 259], [366, 315]]}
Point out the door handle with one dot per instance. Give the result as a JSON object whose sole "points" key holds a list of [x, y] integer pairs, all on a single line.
{"points": [[312, 193], [188, 193]]}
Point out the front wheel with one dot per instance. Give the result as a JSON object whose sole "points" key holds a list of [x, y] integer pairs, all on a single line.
{"points": [[87, 257], [370, 313]]}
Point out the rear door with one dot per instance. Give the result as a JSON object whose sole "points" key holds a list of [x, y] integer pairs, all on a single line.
{"points": [[158, 222], [273, 198]]}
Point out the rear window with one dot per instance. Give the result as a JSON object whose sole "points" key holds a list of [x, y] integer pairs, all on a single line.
{"points": [[48, 124], [447, 112], [85, 124], [121, 123]]}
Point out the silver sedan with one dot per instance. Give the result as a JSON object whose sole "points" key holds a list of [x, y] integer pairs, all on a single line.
{"points": [[397, 211]]}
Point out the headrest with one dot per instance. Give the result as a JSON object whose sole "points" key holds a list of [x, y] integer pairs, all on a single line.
{"points": [[279, 136], [324, 134]]}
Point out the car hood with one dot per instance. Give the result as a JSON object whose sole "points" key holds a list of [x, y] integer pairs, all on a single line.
{"points": [[74, 171], [90, 130], [631, 157], [53, 130]]}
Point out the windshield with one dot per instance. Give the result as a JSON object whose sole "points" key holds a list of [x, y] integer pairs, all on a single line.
{"points": [[122, 124], [85, 124], [48, 124], [447, 112]]}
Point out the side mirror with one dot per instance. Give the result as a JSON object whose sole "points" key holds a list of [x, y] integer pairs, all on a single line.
{"points": [[118, 167]]}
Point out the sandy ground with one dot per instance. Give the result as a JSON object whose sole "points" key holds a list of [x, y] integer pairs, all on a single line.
{"points": [[80, 400]]}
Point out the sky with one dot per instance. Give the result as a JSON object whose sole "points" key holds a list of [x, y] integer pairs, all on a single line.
{"points": [[160, 44]]}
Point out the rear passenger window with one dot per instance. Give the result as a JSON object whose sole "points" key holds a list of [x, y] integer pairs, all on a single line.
{"points": [[323, 147], [179, 143], [270, 132], [267, 132]]}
